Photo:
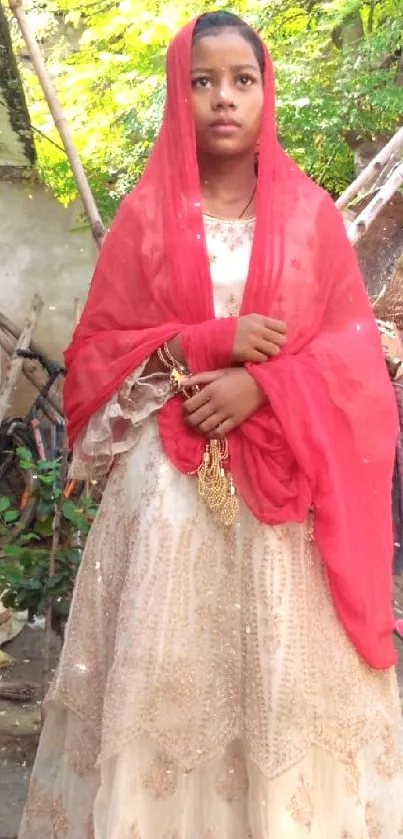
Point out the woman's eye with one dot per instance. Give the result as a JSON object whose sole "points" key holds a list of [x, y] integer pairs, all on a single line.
{"points": [[245, 80], [201, 81]]}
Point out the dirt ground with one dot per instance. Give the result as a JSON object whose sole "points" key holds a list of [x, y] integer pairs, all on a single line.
{"points": [[20, 723]]}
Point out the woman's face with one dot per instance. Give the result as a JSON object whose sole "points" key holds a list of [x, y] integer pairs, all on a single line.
{"points": [[227, 94]]}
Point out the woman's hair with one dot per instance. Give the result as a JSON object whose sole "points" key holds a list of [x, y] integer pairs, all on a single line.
{"points": [[213, 22]]}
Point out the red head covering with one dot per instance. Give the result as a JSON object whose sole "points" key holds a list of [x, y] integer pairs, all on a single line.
{"points": [[327, 435]]}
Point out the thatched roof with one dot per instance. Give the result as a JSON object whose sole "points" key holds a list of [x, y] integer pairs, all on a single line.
{"points": [[16, 143]]}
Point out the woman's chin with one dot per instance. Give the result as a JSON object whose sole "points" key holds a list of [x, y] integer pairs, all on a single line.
{"points": [[225, 146]]}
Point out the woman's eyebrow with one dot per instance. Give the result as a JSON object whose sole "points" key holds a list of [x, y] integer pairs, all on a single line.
{"points": [[238, 67], [235, 67]]}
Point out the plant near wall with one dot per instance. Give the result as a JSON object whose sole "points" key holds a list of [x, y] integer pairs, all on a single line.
{"points": [[25, 582]]}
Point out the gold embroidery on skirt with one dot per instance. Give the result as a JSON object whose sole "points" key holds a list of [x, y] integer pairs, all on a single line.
{"points": [[232, 782], [59, 818], [389, 763], [374, 825], [161, 777], [301, 807]]}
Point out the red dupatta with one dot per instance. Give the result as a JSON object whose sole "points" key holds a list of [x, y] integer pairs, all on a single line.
{"points": [[327, 435]]}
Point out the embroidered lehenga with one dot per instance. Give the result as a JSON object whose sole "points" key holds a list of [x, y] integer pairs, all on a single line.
{"points": [[206, 689]]}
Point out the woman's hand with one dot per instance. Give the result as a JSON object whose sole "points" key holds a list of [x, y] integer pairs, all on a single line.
{"points": [[258, 338], [226, 399]]}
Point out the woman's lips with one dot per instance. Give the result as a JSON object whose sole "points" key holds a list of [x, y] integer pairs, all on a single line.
{"points": [[225, 127]]}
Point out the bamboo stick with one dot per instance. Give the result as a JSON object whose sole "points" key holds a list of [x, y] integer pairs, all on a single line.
{"points": [[16, 363], [360, 225], [60, 121], [368, 175], [30, 371]]}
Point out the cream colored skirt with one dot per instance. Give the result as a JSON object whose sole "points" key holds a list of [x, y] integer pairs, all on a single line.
{"points": [[206, 689]]}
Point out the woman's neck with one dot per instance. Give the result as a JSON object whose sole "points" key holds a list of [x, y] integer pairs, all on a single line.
{"points": [[227, 184]]}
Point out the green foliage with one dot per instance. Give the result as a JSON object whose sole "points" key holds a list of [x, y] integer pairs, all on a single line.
{"points": [[339, 68], [25, 560], [8, 516]]}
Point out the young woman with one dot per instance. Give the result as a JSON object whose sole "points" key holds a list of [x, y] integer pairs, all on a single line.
{"points": [[228, 665]]}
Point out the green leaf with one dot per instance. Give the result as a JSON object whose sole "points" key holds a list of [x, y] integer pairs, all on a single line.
{"points": [[44, 528], [24, 454], [11, 516], [46, 479], [12, 550], [5, 504], [24, 538]]}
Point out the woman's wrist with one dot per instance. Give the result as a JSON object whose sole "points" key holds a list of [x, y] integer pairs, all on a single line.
{"points": [[156, 363], [175, 349], [208, 345], [255, 387]]}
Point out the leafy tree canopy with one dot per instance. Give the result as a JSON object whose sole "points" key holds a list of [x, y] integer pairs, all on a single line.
{"points": [[339, 80]]}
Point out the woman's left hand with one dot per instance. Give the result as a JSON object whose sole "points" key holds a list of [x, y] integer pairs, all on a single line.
{"points": [[226, 399]]}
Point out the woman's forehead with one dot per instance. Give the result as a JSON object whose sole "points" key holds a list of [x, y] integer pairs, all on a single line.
{"points": [[222, 50]]}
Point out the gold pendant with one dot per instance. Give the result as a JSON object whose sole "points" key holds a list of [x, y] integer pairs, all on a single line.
{"points": [[178, 379]]}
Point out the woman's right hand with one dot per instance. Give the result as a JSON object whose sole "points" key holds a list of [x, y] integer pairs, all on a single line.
{"points": [[258, 338]]}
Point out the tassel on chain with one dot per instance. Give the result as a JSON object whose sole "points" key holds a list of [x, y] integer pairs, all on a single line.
{"points": [[216, 486]]}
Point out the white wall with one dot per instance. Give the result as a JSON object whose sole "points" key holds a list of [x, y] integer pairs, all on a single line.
{"points": [[40, 252]]}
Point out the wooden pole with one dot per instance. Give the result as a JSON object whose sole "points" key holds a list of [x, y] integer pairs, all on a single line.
{"points": [[57, 521], [16, 364], [360, 225], [60, 121], [393, 149]]}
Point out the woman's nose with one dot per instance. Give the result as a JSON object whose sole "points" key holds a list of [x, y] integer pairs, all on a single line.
{"points": [[224, 96]]}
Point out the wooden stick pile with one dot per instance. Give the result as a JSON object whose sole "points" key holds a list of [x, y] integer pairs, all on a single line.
{"points": [[13, 338]]}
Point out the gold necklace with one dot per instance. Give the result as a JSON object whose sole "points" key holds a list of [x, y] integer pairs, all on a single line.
{"points": [[241, 215], [249, 202]]}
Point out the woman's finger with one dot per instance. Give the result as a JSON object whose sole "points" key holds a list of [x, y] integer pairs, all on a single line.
{"points": [[277, 338], [276, 325], [254, 356], [224, 428], [201, 415], [210, 425], [267, 348], [195, 402], [201, 379]]}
